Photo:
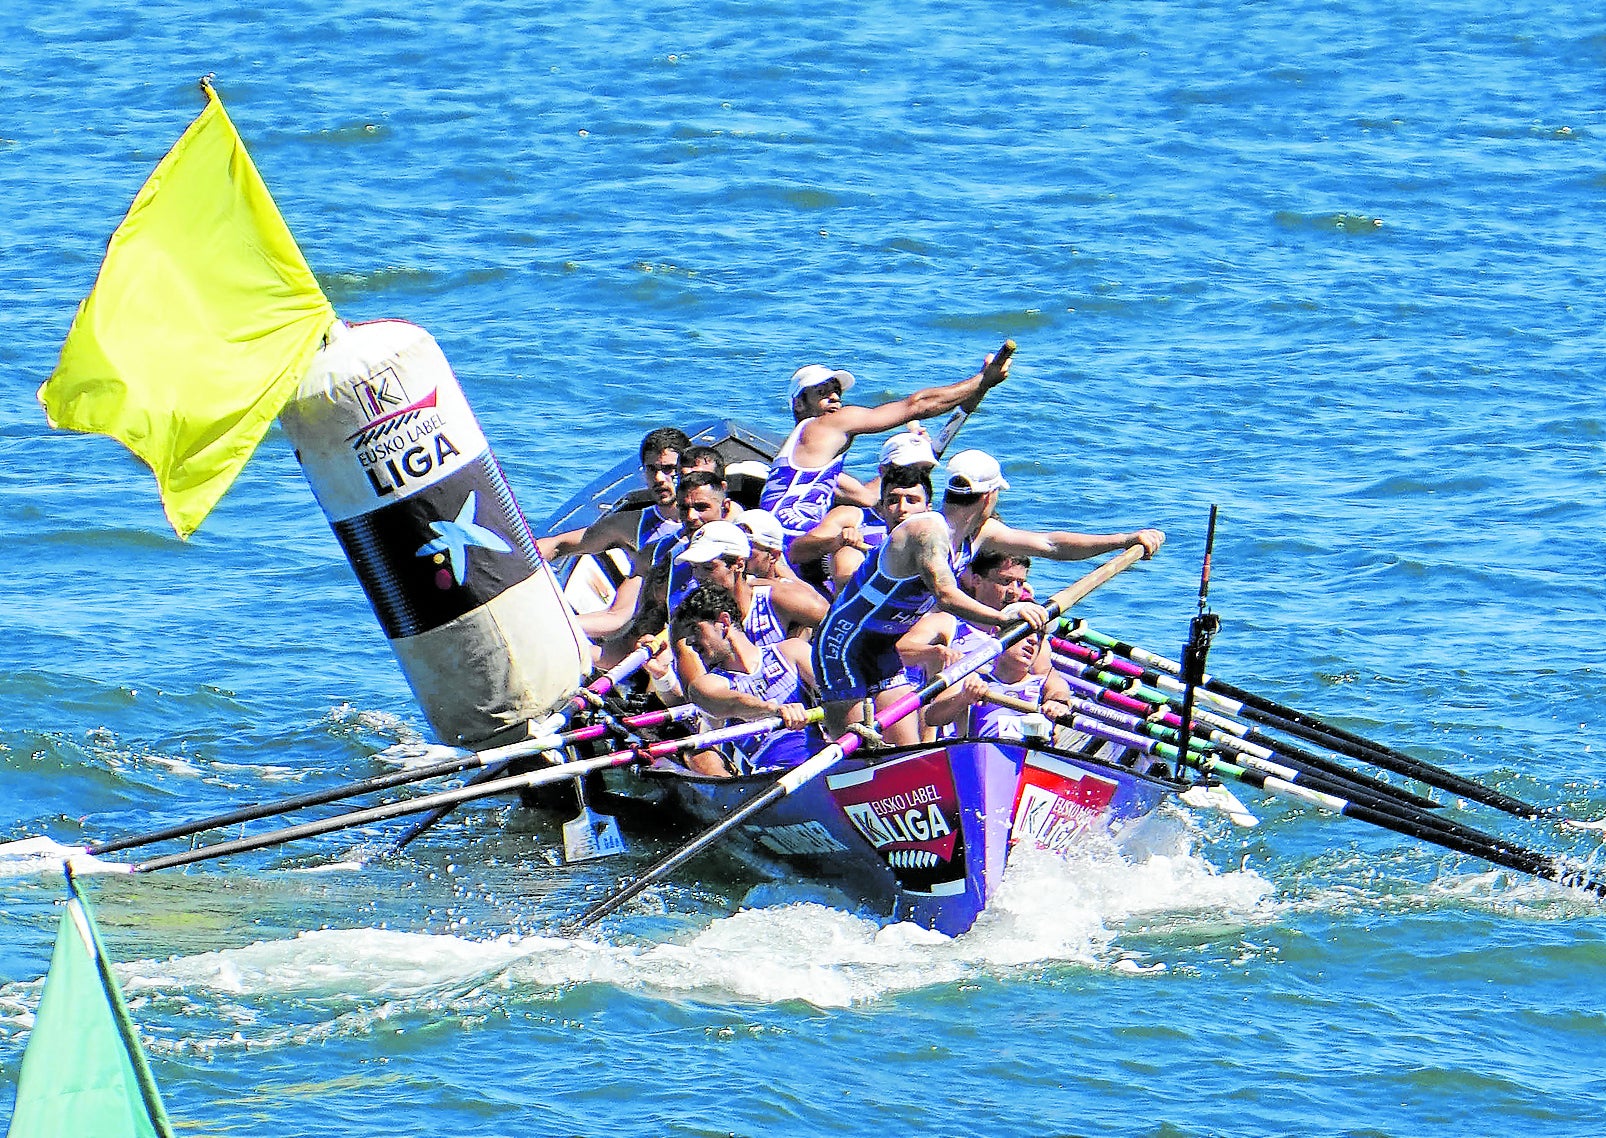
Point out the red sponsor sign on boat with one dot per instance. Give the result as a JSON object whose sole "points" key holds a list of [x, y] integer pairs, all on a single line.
{"points": [[1056, 802], [908, 810]]}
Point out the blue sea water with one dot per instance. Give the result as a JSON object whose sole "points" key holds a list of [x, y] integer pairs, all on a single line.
{"points": [[1334, 266]]}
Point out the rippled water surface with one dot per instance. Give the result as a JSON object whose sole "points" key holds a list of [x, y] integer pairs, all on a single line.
{"points": [[1332, 266]]}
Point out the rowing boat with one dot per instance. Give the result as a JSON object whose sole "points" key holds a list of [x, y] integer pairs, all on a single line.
{"points": [[920, 834]]}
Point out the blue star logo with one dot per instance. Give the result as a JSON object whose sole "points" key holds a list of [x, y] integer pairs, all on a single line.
{"points": [[454, 538]]}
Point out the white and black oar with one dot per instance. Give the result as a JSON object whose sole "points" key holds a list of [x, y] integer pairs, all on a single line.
{"points": [[29, 848], [850, 742], [530, 780], [1269, 713], [1200, 796], [1401, 819]]}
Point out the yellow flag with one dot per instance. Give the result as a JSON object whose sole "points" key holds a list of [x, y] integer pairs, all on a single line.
{"points": [[199, 327]]}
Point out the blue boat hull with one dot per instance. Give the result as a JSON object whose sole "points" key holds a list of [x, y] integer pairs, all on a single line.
{"points": [[922, 835]]}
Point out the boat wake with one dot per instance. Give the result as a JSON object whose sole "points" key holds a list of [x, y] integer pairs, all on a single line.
{"points": [[780, 946]]}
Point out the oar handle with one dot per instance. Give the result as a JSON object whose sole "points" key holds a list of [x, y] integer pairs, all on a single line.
{"points": [[595, 690]]}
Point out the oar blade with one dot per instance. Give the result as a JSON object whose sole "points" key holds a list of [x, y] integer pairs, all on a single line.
{"points": [[590, 835]]}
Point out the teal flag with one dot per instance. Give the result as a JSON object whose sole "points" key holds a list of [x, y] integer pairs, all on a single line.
{"points": [[83, 1073]]}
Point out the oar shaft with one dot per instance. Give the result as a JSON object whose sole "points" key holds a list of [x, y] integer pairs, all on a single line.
{"points": [[1111, 688], [593, 692], [450, 798], [1391, 816], [503, 755], [1157, 738], [284, 805], [1280, 717]]}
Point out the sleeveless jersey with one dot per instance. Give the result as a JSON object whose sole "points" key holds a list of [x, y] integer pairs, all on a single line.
{"points": [[855, 647], [652, 526], [799, 497], [777, 679], [990, 721], [762, 623], [881, 602]]}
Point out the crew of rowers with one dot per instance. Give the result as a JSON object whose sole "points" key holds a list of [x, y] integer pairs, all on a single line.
{"points": [[835, 593]]}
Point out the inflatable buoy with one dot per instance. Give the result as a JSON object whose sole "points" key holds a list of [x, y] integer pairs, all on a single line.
{"points": [[399, 464]]}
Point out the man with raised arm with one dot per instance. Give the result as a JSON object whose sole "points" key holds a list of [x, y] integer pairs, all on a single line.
{"points": [[636, 529], [807, 472], [855, 649]]}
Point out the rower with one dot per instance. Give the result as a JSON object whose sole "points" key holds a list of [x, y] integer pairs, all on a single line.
{"points": [[1015, 675], [743, 681], [769, 612], [855, 650], [635, 529], [849, 533], [807, 472], [699, 459], [940, 638], [699, 498], [768, 540]]}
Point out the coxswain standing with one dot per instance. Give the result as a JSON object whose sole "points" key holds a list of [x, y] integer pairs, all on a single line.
{"points": [[807, 474], [855, 650]]}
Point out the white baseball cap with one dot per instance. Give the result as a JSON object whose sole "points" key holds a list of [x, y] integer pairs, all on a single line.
{"points": [[812, 375], [714, 540], [911, 447], [762, 528], [975, 472]]}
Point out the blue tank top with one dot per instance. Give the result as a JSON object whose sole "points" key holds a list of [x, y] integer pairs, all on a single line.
{"points": [[967, 637], [799, 498], [762, 623], [989, 721], [887, 604], [777, 679], [652, 526]]}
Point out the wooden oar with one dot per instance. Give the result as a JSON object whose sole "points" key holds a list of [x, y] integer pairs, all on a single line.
{"points": [[1269, 713], [1431, 828], [849, 742], [588, 696], [451, 798]]}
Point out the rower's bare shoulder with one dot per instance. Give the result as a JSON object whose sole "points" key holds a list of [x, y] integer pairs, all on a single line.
{"points": [[924, 531]]}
